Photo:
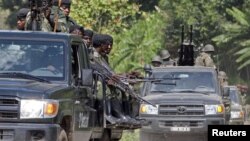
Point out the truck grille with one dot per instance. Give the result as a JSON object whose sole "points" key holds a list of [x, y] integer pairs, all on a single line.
{"points": [[9, 108], [181, 110], [181, 123]]}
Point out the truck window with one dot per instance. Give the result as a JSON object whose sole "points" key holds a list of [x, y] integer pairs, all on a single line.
{"points": [[38, 58], [181, 81]]}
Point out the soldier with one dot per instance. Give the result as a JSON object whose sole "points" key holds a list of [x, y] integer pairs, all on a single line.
{"points": [[223, 78], [115, 112], [87, 37], [59, 16], [109, 45], [38, 20], [204, 58], [166, 60], [156, 61], [21, 17]]}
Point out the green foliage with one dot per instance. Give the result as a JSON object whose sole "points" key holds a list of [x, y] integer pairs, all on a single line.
{"points": [[135, 47], [130, 135], [236, 34], [104, 16]]}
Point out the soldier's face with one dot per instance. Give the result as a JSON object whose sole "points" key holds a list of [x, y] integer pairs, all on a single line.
{"points": [[65, 9], [109, 48], [21, 23], [156, 64], [87, 40]]}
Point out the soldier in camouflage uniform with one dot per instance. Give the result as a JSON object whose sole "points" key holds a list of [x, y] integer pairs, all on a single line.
{"points": [[156, 61], [59, 16], [21, 17], [223, 78], [166, 60], [204, 58], [43, 23]]}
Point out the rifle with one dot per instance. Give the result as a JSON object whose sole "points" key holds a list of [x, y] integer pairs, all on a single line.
{"points": [[38, 9], [117, 82], [186, 52], [57, 15]]}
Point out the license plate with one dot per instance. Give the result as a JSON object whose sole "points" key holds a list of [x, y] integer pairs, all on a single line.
{"points": [[180, 129]]}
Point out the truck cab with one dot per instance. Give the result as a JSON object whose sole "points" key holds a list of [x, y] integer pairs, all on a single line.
{"points": [[186, 100], [46, 89]]}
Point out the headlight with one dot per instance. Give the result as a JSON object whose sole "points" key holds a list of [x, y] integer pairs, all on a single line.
{"points": [[214, 109], [38, 108], [149, 109], [236, 114]]}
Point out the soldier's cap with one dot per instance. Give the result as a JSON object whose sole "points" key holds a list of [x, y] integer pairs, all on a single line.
{"points": [[88, 32], [22, 13], [63, 2]]}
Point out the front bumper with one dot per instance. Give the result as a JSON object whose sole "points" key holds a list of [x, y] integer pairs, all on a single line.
{"points": [[194, 125], [29, 132]]}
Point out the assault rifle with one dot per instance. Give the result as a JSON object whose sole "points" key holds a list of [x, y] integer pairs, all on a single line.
{"points": [[117, 82], [38, 10], [186, 52]]}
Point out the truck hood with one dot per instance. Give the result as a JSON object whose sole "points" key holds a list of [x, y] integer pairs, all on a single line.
{"points": [[183, 98], [27, 88]]}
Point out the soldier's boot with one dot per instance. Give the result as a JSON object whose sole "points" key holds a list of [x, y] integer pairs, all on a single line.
{"points": [[118, 111], [108, 116]]}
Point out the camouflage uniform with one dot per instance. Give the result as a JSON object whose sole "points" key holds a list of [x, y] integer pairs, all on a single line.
{"points": [[62, 25], [43, 23], [204, 59], [223, 78]]}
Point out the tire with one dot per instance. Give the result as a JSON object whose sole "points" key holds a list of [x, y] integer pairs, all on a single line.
{"points": [[63, 136]]}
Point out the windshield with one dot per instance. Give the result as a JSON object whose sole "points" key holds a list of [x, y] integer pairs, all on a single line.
{"points": [[234, 96], [37, 58], [203, 82]]}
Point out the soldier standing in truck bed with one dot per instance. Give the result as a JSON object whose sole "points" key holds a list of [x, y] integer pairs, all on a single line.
{"points": [[21, 17], [156, 61], [204, 58], [166, 59]]}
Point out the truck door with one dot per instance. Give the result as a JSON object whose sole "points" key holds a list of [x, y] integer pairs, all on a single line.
{"points": [[82, 108]]}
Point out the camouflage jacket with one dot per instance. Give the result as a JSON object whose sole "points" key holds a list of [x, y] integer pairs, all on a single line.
{"points": [[42, 24], [204, 59], [59, 20]]}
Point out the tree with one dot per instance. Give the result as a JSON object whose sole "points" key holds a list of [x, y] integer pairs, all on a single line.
{"points": [[237, 35], [136, 46], [105, 16]]}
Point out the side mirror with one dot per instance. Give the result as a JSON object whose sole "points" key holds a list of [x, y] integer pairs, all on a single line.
{"points": [[148, 70], [87, 77]]}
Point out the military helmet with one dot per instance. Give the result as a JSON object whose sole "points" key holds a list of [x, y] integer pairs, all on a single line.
{"points": [[157, 59], [222, 74], [164, 54], [208, 48]]}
